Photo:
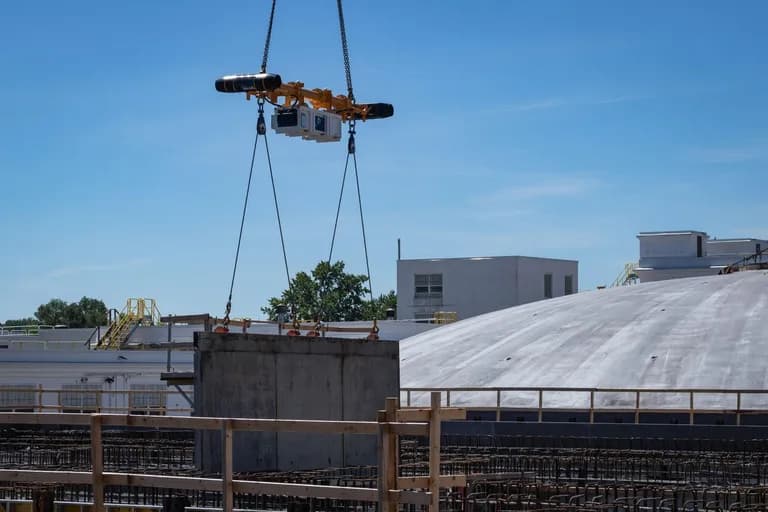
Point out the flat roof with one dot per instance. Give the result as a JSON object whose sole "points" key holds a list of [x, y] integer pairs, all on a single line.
{"points": [[669, 233], [483, 258], [716, 240]]}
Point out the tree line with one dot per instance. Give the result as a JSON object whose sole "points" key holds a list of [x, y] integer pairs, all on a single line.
{"points": [[86, 312], [326, 293]]}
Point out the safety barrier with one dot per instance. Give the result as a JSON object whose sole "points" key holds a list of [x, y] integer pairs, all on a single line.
{"points": [[591, 396], [89, 400], [391, 491]]}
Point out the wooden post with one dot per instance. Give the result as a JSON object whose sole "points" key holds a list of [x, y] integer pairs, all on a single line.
{"points": [[592, 406], [637, 407], [384, 461], [738, 408], [393, 456], [42, 500], [498, 405], [434, 452], [97, 464], [175, 503], [227, 499]]}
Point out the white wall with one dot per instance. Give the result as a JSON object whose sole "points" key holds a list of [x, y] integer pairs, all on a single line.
{"points": [[472, 286], [531, 277], [649, 275], [674, 255]]}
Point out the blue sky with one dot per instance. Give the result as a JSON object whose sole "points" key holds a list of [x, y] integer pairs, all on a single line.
{"points": [[555, 129]]}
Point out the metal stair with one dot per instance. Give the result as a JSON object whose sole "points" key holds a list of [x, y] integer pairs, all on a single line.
{"points": [[627, 276], [137, 311]]}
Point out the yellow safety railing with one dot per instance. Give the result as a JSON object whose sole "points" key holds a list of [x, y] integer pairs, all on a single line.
{"points": [[627, 276], [444, 317], [137, 311]]}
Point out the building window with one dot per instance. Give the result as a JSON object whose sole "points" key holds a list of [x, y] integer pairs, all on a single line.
{"points": [[568, 284], [428, 286], [548, 286], [19, 398], [83, 398], [147, 398]]}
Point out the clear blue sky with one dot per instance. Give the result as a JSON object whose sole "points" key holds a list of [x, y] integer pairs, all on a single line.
{"points": [[555, 129]]}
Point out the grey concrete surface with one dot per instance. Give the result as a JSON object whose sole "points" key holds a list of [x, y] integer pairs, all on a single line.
{"points": [[702, 332], [266, 376]]}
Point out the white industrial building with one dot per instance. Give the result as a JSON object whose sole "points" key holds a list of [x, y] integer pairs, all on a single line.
{"points": [[472, 286], [676, 254]]}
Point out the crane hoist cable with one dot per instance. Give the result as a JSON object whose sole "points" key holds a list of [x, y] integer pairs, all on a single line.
{"points": [[288, 119], [351, 151], [261, 130]]}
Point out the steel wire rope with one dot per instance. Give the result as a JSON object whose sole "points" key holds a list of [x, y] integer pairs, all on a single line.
{"points": [[268, 39], [242, 223], [277, 211], [338, 209], [260, 130], [345, 51], [362, 224]]}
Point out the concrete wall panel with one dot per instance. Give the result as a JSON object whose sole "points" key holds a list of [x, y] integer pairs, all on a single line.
{"points": [[267, 376]]}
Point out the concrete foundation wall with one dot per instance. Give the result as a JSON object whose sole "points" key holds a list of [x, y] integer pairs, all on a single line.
{"points": [[266, 376]]}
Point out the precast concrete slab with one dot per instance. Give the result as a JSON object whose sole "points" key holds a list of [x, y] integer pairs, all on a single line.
{"points": [[269, 376]]}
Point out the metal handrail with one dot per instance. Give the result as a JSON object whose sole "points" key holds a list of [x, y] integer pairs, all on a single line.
{"points": [[637, 409], [745, 261], [38, 402]]}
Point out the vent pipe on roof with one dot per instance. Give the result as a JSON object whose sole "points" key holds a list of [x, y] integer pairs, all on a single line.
{"points": [[398, 249]]}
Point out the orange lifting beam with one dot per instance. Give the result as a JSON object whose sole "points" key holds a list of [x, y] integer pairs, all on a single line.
{"points": [[270, 87]]}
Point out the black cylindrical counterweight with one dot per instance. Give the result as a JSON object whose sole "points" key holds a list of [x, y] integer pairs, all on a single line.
{"points": [[261, 82], [376, 111]]}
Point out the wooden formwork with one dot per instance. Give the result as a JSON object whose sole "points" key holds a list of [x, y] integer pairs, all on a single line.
{"points": [[391, 422]]}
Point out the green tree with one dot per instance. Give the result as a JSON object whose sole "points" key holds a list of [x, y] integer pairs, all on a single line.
{"points": [[85, 313], [21, 321], [328, 293], [94, 312], [378, 308], [52, 313]]}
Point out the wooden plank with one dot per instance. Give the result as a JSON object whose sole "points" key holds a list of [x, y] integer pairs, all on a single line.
{"points": [[182, 422], [422, 414], [310, 426], [422, 482], [32, 418], [97, 464], [226, 467], [186, 319], [162, 481], [305, 490], [411, 497], [409, 429], [47, 477]]}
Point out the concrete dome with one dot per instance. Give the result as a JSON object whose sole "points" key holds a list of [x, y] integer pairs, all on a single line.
{"points": [[703, 332]]}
